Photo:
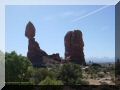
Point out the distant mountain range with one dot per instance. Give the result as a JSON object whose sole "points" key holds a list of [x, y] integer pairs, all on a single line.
{"points": [[101, 60]]}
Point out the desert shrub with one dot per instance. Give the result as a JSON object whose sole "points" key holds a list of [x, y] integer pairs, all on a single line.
{"points": [[101, 74], [81, 82], [49, 81], [16, 67], [69, 73], [39, 74]]}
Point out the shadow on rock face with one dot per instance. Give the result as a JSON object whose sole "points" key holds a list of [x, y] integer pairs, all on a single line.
{"points": [[35, 53], [74, 46]]}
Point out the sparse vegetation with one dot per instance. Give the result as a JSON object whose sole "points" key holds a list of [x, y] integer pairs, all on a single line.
{"points": [[19, 69], [70, 74], [49, 81], [100, 73]]}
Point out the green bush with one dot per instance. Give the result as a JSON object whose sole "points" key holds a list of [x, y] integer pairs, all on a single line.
{"points": [[39, 74], [69, 73], [49, 81], [16, 67], [101, 74], [79, 81]]}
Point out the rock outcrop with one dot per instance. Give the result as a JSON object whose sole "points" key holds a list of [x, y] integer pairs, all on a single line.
{"points": [[35, 54], [55, 57], [74, 47]]}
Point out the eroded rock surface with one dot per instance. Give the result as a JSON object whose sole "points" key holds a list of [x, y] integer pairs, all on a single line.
{"points": [[74, 47], [35, 54]]}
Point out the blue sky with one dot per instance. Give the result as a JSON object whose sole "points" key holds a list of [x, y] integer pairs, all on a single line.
{"points": [[97, 23]]}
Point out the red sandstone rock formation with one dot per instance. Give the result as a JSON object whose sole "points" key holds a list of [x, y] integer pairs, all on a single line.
{"points": [[35, 54], [55, 57], [74, 47], [30, 31]]}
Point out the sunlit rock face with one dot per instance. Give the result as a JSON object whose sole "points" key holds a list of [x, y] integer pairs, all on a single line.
{"points": [[74, 47], [35, 54]]}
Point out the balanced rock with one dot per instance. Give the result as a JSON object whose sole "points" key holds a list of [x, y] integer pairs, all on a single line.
{"points": [[35, 54], [74, 47], [30, 30]]}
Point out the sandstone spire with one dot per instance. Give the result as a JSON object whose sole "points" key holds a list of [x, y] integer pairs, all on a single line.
{"points": [[74, 47]]}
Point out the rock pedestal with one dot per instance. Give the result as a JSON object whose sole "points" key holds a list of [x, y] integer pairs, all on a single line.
{"points": [[74, 47], [35, 54]]}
